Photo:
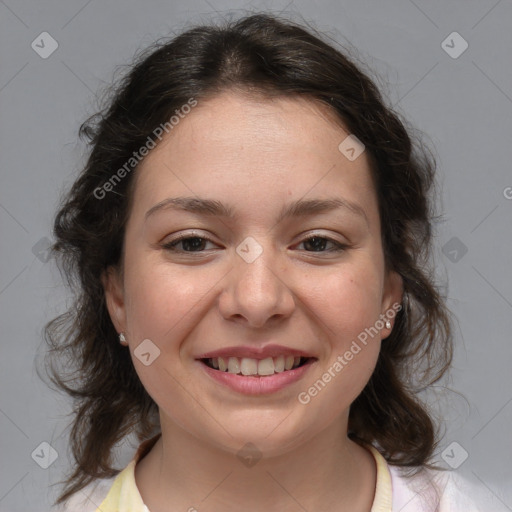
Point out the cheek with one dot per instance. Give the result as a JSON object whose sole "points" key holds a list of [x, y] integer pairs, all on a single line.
{"points": [[347, 306], [347, 309], [161, 301], [164, 307], [345, 301]]}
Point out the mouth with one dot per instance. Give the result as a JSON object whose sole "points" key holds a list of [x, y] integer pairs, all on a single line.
{"points": [[256, 368]]}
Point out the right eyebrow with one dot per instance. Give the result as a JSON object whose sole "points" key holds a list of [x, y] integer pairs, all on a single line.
{"points": [[192, 204]]}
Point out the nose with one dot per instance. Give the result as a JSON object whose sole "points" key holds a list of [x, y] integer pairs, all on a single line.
{"points": [[256, 293]]}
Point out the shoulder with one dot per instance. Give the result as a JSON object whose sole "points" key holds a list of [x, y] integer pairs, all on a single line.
{"points": [[437, 491], [112, 494], [109, 495], [89, 498]]}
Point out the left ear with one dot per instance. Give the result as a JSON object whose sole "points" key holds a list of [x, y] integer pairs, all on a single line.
{"points": [[392, 296]]}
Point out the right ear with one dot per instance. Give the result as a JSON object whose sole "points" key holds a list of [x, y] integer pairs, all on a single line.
{"points": [[114, 297]]}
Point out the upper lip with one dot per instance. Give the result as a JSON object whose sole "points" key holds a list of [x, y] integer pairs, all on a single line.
{"points": [[255, 352]]}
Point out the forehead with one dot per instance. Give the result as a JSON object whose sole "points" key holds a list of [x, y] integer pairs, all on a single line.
{"points": [[270, 125], [238, 146]]}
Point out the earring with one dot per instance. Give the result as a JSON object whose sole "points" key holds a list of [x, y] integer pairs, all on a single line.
{"points": [[122, 339], [388, 324]]}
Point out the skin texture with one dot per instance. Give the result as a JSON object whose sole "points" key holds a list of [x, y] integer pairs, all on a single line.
{"points": [[254, 155]]}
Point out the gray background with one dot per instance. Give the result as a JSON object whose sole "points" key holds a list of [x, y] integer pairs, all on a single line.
{"points": [[464, 104]]}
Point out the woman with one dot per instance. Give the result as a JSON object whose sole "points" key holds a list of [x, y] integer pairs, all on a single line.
{"points": [[249, 239]]}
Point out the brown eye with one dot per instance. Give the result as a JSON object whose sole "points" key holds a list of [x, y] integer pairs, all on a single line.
{"points": [[321, 244], [188, 244]]}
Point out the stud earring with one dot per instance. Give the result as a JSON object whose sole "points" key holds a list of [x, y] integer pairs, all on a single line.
{"points": [[388, 324], [122, 339]]}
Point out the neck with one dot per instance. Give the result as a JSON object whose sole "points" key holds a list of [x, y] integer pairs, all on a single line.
{"points": [[328, 472]]}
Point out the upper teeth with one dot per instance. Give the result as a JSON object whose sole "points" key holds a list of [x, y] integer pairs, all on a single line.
{"points": [[248, 366]]}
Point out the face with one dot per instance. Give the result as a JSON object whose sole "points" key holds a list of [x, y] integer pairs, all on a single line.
{"points": [[253, 243]]}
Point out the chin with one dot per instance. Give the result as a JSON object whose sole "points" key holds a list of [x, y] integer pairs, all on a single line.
{"points": [[270, 433]]}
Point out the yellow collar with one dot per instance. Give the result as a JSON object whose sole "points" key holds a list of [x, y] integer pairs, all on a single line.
{"points": [[383, 489]]}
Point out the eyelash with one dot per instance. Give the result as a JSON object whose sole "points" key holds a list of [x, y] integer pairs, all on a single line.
{"points": [[171, 246]]}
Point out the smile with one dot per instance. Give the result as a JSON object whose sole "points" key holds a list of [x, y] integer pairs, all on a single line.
{"points": [[256, 376], [251, 367]]}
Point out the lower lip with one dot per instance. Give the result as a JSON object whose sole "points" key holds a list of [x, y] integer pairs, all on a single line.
{"points": [[250, 385]]}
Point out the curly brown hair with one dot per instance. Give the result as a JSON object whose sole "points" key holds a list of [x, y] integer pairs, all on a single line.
{"points": [[264, 54]]}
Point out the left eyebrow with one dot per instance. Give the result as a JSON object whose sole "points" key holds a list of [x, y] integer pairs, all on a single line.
{"points": [[298, 208], [316, 206]]}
